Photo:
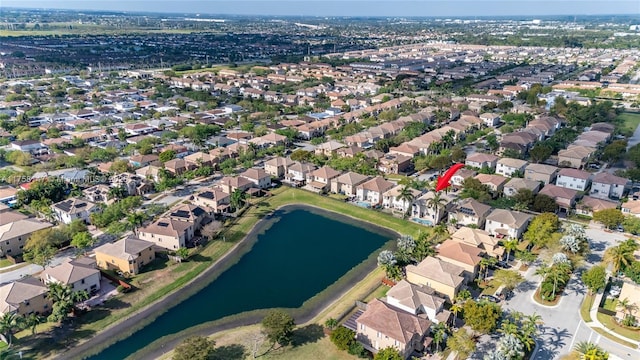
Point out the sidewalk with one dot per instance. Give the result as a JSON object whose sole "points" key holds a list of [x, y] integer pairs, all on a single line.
{"points": [[595, 323]]}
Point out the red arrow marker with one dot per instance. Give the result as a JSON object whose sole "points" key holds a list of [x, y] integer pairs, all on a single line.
{"points": [[443, 181]]}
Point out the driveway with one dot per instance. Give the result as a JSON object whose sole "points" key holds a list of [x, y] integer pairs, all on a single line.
{"points": [[563, 327]]}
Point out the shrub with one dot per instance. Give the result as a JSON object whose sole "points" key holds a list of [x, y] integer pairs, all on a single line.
{"points": [[343, 338], [358, 350]]}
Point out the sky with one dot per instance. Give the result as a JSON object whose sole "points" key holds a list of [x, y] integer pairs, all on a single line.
{"points": [[447, 8]]}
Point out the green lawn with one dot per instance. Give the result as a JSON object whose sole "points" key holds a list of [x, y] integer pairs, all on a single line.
{"points": [[610, 323], [631, 121], [585, 307], [381, 291], [491, 287], [610, 304], [5, 263]]}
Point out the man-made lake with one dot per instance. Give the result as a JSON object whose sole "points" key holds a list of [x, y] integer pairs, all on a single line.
{"points": [[301, 252]]}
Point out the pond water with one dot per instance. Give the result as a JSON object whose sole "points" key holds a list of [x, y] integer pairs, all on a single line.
{"points": [[301, 252]]}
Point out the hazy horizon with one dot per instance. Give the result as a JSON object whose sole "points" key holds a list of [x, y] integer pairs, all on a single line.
{"points": [[378, 8]]}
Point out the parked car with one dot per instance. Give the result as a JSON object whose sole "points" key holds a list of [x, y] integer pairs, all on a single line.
{"points": [[489, 298]]}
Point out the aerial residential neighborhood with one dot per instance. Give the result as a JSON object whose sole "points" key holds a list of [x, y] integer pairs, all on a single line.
{"points": [[139, 201]]}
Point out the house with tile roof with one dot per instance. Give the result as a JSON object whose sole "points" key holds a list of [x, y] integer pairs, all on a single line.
{"points": [[320, 179], [507, 223], [229, 184], [215, 199], [259, 177], [444, 277], [423, 207], [298, 173], [382, 326], [609, 186], [391, 200], [371, 191], [79, 275], [15, 229], [479, 238], [277, 167], [469, 212], [494, 182], [346, 183], [589, 205], [168, 233], [631, 207], [24, 296], [329, 148], [482, 160], [74, 208], [575, 156], [573, 179], [461, 254], [508, 166], [418, 300], [540, 172], [128, 255], [564, 197], [512, 186]]}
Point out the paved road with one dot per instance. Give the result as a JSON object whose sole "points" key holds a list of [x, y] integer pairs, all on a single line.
{"points": [[634, 139], [563, 327]]}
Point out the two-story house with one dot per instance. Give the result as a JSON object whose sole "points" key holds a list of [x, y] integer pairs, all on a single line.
{"points": [[217, 200], [431, 208], [540, 172], [371, 191], [80, 275], [445, 278], [24, 296], [15, 229], [168, 233], [605, 185], [573, 179], [508, 166], [507, 223], [277, 167], [418, 300], [381, 326], [391, 199], [565, 198], [479, 238], [464, 255], [128, 255], [346, 183], [494, 182], [469, 212], [229, 184], [259, 177], [297, 173], [74, 208], [511, 188], [481, 160]]}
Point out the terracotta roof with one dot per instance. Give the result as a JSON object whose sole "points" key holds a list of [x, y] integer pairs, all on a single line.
{"points": [[474, 236], [438, 270], [255, 174], [460, 252], [476, 207], [396, 324], [519, 183], [556, 192], [493, 179], [279, 161]]}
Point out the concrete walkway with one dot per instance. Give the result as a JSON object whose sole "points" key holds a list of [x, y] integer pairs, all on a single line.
{"points": [[595, 323]]}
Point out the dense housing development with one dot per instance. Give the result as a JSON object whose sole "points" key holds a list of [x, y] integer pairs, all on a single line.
{"points": [[127, 184]]}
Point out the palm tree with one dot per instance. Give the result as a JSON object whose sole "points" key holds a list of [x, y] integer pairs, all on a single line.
{"points": [[627, 306], [456, 307], [64, 300], [508, 327], [440, 331], [134, 220], [591, 351], [33, 320], [406, 196], [437, 203], [237, 199], [10, 322], [485, 264], [619, 256], [331, 323], [509, 246], [543, 271], [557, 274]]}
